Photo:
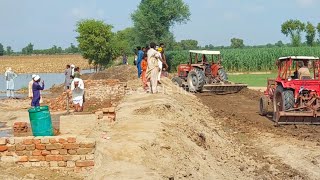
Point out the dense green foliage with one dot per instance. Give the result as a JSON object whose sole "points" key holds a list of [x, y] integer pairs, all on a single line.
{"points": [[293, 28], [153, 18], [247, 59], [28, 50], [1, 50], [95, 39]]}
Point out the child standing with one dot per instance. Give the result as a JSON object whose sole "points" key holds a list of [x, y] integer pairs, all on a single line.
{"points": [[144, 65]]}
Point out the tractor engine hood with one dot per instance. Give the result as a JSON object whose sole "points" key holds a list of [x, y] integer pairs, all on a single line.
{"points": [[312, 85]]}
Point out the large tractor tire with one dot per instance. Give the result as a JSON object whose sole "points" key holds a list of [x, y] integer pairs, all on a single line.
{"points": [[283, 100], [177, 81], [196, 80], [222, 74], [263, 106]]}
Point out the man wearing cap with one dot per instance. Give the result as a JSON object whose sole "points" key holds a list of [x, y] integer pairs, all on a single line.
{"points": [[10, 76], [30, 86], [77, 88], [36, 88]]}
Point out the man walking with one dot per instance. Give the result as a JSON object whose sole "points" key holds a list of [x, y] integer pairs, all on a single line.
{"points": [[153, 66], [139, 60]]}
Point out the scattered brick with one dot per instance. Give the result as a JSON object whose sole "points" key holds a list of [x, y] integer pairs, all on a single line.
{"points": [[71, 139], [3, 148], [23, 159]]}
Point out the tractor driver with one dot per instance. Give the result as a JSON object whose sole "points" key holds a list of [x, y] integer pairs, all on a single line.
{"points": [[303, 71]]}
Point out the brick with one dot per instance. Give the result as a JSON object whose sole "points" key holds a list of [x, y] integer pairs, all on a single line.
{"points": [[35, 164], [53, 164], [10, 140], [99, 114], [36, 158], [84, 151], [54, 152], [28, 141], [45, 140], [28, 153], [71, 158], [20, 147], [30, 147], [105, 110], [9, 159], [62, 141], [40, 146], [36, 153], [71, 146], [22, 159], [9, 153], [3, 148], [18, 140], [72, 152], [20, 153], [53, 141], [54, 158], [71, 139], [53, 146], [71, 164], [36, 141], [84, 163], [63, 151], [26, 164], [112, 109], [62, 164], [44, 163], [11, 147], [45, 152], [3, 141], [90, 157]]}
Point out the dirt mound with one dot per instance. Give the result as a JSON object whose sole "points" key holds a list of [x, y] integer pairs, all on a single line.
{"points": [[123, 72]]}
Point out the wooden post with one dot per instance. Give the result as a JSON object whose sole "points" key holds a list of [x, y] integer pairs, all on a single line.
{"points": [[67, 102]]}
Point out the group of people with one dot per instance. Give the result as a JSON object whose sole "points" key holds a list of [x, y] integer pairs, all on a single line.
{"points": [[74, 84], [150, 62]]}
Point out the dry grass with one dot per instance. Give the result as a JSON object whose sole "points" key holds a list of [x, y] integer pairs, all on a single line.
{"points": [[41, 63]]}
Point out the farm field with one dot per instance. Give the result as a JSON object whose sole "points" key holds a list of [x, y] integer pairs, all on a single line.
{"points": [[253, 80], [41, 63]]}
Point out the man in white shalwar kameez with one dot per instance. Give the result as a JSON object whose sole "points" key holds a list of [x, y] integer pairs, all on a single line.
{"points": [[153, 67], [77, 88], [10, 76]]}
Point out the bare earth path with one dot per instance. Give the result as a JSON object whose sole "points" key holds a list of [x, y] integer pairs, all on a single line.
{"points": [[173, 135]]}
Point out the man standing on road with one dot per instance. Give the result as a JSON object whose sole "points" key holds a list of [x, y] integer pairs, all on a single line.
{"points": [[67, 79], [153, 67], [139, 60]]}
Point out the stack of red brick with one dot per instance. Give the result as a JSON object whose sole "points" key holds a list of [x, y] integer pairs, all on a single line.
{"points": [[108, 114], [20, 127], [59, 103], [57, 152]]}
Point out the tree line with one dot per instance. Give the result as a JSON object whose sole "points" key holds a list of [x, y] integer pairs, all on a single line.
{"points": [[29, 49]]}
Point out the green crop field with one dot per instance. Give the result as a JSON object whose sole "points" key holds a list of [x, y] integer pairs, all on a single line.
{"points": [[248, 59], [253, 80]]}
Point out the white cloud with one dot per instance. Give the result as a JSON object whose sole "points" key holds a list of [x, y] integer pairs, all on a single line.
{"points": [[306, 3]]}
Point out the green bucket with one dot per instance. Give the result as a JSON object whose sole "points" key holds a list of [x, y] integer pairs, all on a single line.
{"points": [[40, 120]]}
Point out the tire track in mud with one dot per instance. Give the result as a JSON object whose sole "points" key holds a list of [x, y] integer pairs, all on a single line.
{"points": [[240, 119]]}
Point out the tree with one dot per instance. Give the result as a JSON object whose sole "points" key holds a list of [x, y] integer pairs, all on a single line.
{"points": [[153, 19], [1, 50], [237, 43], [72, 49], [189, 44], [293, 28], [279, 44], [9, 50], [318, 29], [311, 34], [28, 50], [95, 41]]}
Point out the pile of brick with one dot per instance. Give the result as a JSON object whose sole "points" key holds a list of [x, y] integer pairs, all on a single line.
{"points": [[59, 103], [20, 127], [108, 114], [57, 152]]}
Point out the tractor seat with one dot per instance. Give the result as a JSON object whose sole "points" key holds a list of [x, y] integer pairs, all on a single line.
{"points": [[305, 78]]}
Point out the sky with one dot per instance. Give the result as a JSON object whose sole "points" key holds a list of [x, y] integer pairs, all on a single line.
{"points": [[46, 23]]}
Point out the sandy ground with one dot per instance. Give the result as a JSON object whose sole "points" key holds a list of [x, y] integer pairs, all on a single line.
{"points": [[178, 135]]}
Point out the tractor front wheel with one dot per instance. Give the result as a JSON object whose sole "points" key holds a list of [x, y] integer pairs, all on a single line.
{"points": [[263, 106], [196, 80], [177, 81]]}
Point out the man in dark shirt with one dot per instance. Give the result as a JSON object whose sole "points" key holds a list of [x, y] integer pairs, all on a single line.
{"points": [[36, 88]]}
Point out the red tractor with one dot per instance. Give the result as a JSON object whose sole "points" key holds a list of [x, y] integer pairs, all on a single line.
{"points": [[295, 93], [201, 75]]}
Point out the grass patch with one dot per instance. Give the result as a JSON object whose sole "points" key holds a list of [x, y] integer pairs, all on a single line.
{"points": [[254, 80]]}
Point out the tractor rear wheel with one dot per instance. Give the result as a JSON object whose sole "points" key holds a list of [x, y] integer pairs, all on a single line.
{"points": [[283, 99], [177, 81], [196, 80], [263, 106], [222, 74]]}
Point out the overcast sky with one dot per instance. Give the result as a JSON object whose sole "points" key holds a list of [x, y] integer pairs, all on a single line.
{"points": [[45, 23]]}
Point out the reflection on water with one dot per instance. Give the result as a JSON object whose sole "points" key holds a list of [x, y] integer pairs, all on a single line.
{"points": [[50, 79]]}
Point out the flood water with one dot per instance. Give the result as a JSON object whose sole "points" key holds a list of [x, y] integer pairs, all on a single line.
{"points": [[22, 81], [50, 79]]}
